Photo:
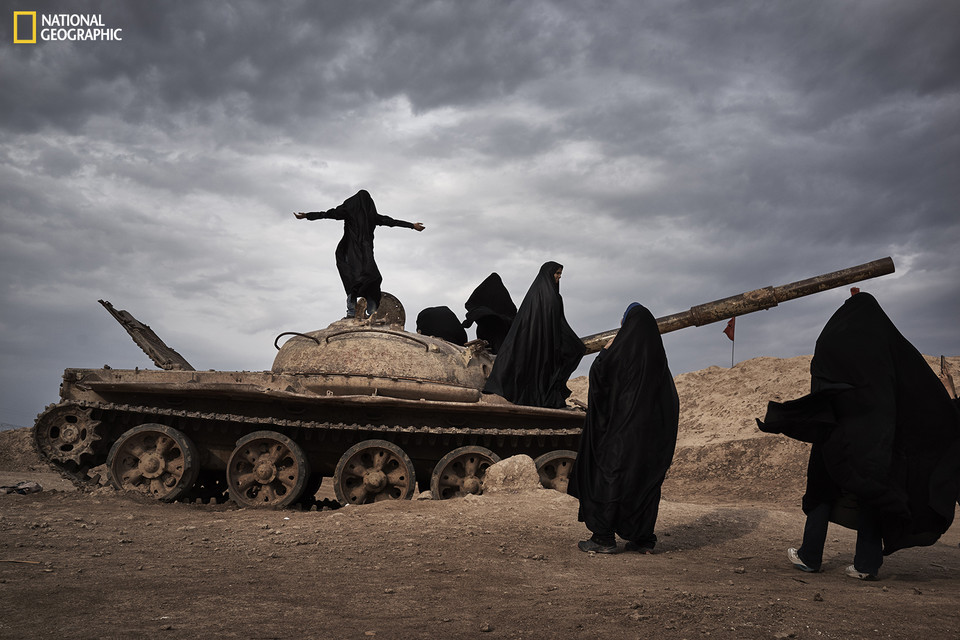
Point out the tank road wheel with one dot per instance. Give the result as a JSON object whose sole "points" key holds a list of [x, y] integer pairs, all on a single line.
{"points": [[374, 470], [64, 433], [267, 469], [461, 472], [554, 469], [154, 459]]}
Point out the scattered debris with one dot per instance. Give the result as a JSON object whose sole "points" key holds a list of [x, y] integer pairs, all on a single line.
{"points": [[22, 488]]}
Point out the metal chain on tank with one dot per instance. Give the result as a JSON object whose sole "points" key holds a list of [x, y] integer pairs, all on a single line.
{"points": [[340, 426]]}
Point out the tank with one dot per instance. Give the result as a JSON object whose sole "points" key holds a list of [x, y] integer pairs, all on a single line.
{"points": [[380, 411]]}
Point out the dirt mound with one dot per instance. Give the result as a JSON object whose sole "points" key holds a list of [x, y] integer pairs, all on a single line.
{"points": [[17, 452], [718, 405], [719, 445]]}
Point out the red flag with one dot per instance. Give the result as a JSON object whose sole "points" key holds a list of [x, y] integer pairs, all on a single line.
{"points": [[731, 327]]}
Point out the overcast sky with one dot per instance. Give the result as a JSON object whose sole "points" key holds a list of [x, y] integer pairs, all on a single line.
{"points": [[671, 153]]}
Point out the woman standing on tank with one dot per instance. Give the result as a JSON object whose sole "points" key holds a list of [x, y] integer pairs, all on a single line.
{"points": [[540, 350]]}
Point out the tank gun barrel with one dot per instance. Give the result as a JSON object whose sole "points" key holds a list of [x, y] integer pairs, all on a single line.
{"points": [[755, 300]]}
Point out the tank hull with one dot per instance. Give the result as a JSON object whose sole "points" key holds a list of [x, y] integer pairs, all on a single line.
{"points": [[216, 409]]}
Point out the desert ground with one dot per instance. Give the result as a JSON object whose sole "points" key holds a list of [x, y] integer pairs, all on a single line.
{"points": [[102, 564]]}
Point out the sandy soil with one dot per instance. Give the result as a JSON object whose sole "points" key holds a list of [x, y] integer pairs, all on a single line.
{"points": [[102, 564]]}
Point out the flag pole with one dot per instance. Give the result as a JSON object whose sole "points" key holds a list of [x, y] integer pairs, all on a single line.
{"points": [[730, 332]]}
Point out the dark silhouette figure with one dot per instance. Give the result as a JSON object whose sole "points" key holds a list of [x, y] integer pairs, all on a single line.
{"points": [[358, 270], [540, 351], [441, 322], [885, 458], [629, 437], [491, 307]]}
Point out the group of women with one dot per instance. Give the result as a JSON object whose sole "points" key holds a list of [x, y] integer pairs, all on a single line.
{"points": [[885, 458], [630, 430]]}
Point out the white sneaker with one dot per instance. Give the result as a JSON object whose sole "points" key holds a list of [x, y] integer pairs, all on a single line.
{"points": [[860, 575], [797, 562]]}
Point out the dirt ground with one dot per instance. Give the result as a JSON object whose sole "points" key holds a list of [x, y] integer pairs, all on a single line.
{"points": [[102, 564]]}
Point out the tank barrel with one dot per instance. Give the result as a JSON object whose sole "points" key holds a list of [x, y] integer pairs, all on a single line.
{"points": [[755, 300]]}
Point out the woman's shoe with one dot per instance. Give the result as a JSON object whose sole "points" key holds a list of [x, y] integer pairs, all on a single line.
{"points": [[794, 558], [860, 575], [596, 547]]}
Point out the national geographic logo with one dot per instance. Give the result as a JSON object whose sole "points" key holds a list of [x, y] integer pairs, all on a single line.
{"points": [[71, 27]]}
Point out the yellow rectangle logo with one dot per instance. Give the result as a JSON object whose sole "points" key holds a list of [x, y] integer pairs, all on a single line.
{"points": [[17, 15]]}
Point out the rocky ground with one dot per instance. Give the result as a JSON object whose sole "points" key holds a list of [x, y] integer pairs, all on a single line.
{"points": [[502, 565]]}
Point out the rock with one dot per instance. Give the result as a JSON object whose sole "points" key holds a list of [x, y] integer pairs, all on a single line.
{"points": [[515, 474]]}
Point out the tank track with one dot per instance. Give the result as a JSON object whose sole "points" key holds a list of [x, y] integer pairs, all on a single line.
{"points": [[90, 471]]}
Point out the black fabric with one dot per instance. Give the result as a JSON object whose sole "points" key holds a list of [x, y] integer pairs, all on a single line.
{"points": [[885, 433], [540, 351], [358, 270], [491, 307], [629, 435], [441, 322]]}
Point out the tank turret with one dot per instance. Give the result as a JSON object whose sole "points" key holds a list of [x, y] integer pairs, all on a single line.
{"points": [[348, 358]]}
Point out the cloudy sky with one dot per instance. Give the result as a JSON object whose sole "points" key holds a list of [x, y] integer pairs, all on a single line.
{"points": [[670, 153]]}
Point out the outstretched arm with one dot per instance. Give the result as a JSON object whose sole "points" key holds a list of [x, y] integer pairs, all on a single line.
{"points": [[332, 214], [387, 221]]}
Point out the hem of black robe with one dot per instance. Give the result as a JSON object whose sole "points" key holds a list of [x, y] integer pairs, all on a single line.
{"points": [[647, 514]]}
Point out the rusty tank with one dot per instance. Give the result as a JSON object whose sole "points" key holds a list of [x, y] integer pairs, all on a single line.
{"points": [[381, 411]]}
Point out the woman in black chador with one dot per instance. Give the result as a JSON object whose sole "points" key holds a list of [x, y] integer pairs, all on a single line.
{"points": [[491, 307], [358, 270], [441, 322], [540, 351], [628, 439], [885, 458]]}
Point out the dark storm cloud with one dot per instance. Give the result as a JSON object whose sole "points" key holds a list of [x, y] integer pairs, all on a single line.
{"points": [[309, 56], [287, 59]]}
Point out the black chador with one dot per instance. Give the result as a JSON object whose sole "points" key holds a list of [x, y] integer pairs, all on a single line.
{"points": [[885, 434], [540, 351], [491, 307], [441, 322], [629, 435], [358, 270]]}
